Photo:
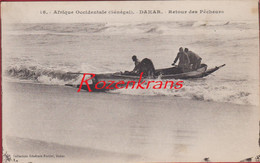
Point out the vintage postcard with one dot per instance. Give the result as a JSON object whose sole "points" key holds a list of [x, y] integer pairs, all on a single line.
{"points": [[130, 81]]}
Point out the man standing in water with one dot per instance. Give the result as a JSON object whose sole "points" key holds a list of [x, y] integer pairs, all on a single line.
{"points": [[195, 59], [184, 60]]}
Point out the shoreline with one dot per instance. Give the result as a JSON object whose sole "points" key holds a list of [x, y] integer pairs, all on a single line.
{"points": [[157, 128]]}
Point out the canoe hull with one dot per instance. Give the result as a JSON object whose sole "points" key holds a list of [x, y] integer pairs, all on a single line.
{"points": [[166, 74]]}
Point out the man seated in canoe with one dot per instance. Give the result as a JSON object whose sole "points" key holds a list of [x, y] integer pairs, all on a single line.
{"points": [[184, 61], [195, 59]]}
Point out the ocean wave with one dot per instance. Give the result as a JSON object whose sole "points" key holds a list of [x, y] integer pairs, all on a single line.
{"points": [[119, 28], [154, 30], [41, 75], [208, 23], [200, 89], [68, 28]]}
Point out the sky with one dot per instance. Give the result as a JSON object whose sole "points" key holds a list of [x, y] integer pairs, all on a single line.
{"points": [[30, 12]]}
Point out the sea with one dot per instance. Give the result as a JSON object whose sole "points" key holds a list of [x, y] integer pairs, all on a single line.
{"points": [[216, 116], [44, 53]]}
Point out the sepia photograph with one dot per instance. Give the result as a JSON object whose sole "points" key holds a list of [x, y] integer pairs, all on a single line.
{"points": [[130, 81]]}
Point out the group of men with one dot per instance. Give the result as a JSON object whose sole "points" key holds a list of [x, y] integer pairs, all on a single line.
{"points": [[188, 61]]}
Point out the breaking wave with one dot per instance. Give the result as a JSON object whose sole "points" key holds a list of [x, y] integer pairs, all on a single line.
{"points": [[42, 75], [200, 89], [117, 28], [206, 23]]}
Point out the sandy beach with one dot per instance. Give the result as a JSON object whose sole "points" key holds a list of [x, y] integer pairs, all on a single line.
{"points": [[124, 128]]}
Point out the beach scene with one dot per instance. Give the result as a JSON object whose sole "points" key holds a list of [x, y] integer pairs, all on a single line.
{"points": [[214, 118]]}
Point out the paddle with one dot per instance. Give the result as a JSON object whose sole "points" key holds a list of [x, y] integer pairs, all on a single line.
{"points": [[221, 65]]}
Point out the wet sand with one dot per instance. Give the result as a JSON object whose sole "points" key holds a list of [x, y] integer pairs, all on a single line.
{"points": [[124, 128], [29, 150]]}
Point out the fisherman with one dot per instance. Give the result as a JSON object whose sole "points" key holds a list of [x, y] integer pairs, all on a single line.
{"points": [[184, 60], [195, 59], [146, 66], [137, 64]]}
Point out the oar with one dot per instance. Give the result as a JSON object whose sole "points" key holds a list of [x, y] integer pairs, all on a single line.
{"points": [[222, 66]]}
